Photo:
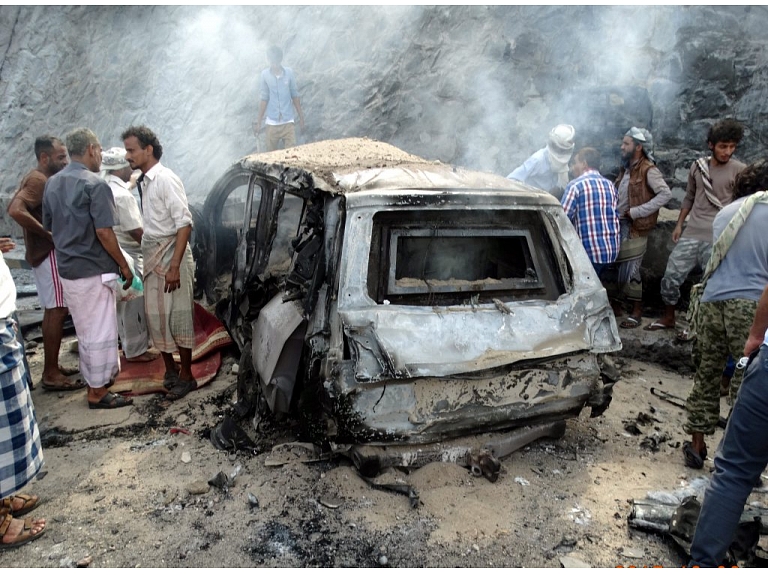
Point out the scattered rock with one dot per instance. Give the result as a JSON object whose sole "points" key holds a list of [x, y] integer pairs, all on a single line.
{"points": [[633, 553], [85, 561], [186, 457], [235, 369], [522, 481], [253, 501], [330, 503], [574, 561], [383, 561], [200, 487]]}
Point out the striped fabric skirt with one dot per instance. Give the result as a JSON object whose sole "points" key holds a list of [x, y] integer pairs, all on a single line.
{"points": [[21, 455]]}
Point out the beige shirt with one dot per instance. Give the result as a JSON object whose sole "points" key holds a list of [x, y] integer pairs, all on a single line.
{"points": [[703, 211], [128, 216], [164, 203]]}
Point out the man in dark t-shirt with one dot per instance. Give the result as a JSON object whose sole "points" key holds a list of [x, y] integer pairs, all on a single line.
{"points": [[79, 211]]}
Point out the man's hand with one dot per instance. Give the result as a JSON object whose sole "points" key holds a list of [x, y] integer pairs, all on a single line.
{"points": [[172, 278], [127, 275], [6, 245], [753, 342], [257, 128], [676, 233], [301, 124]]}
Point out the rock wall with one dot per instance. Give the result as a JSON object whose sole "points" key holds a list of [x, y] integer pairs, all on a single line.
{"points": [[478, 86]]}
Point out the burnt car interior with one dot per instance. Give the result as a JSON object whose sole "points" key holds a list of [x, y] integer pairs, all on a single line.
{"points": [[444, 257], [280, 243]]}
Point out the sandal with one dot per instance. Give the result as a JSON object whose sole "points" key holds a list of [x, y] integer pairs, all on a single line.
{"points": [[630, 322], [68, 385], [29, 503], [658, 326], [686, 335], [111, 401], [170, 379], [25, 536], [181, 389]]}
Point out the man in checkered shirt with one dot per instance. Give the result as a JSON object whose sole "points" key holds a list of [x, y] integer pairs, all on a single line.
{"points": [[589, 202]]}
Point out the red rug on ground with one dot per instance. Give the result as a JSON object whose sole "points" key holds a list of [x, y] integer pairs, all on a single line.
{"points": [[144, 378]]}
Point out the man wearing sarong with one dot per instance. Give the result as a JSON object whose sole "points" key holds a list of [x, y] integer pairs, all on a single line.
{"points": [[131, 320], [79, 210], [642, 192], [21, 454], [26, 208], [168, 264]]}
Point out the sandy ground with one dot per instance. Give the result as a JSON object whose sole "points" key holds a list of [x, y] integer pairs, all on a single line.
{"points": [[118, 493]]}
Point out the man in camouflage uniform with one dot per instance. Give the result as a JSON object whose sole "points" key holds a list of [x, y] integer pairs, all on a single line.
{"points": [[728, 304], [710, 187]]}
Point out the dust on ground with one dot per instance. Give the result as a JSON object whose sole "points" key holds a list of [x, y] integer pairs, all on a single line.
{"points": [[121, 490]]}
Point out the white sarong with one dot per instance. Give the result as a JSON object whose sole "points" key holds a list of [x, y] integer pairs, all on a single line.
{"points": [[92, 306]]}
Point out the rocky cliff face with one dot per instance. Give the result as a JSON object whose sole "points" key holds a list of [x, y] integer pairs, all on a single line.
{"points": [[476, 86]]}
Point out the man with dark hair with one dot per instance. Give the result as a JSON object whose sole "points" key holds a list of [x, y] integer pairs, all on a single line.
{"points": [[743, 451], [738, 272], [710, 187], [168, 265], [642, 192], [26, 208], [131, 319], [279, 96], [79, 211], [589, 202]]}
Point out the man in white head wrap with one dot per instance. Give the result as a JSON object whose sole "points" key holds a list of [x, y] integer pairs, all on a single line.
{"points": [[547, 169], [642, 192], [131, 321]]}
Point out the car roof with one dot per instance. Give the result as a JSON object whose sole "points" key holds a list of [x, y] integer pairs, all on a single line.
{"points": [[350, 165]]}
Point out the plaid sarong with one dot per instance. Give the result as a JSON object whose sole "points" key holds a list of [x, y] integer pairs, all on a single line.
{"points": [[21, 455], [169, 315]]}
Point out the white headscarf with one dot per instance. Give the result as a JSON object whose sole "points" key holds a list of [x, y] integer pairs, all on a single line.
{"points": [[559, 150]]}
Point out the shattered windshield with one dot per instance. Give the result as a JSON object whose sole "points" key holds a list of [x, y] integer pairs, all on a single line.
{"points": [[449, 256]]}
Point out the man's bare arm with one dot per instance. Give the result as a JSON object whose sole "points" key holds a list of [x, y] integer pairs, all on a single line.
{"points": [[297, 105], [109, 241], [262, 110], [759, 325], [18, 210], [136, 234], [173, 275]]}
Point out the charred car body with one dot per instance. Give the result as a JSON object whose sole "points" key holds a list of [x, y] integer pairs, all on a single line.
{"points": [[393, 300]]}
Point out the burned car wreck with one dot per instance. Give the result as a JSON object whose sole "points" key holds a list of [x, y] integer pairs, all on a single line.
{"points": [[391, 301]]}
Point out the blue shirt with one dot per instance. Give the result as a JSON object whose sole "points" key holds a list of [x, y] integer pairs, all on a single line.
{"points": [[743, 272], [279, 94], [536, 172], [589, 202]]}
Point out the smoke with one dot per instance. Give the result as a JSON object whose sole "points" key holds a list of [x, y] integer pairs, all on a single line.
{"points": [[474, 85]]}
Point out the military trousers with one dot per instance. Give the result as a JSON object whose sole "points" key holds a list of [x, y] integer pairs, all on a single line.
{"points": [[724, 328]]}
